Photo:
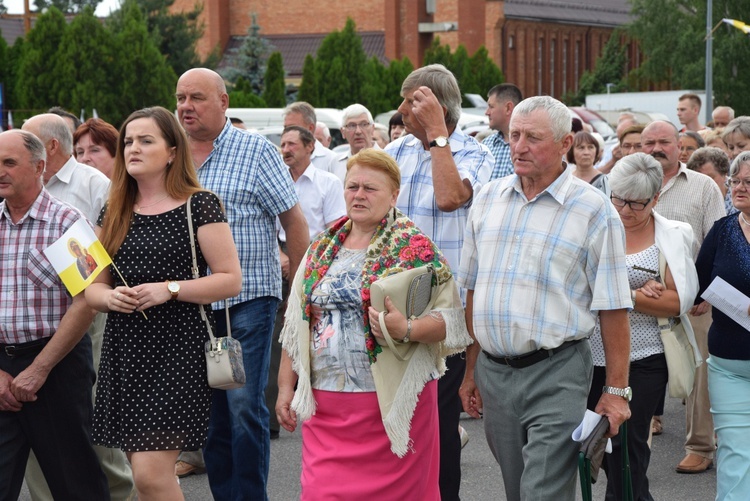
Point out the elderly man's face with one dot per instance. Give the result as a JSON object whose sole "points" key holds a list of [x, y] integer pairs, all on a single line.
{"points": [[358, 132], [201, 105], [294, 152], [19, 177], [533, 148], [411, 123], [721, 118], [659, 140]]}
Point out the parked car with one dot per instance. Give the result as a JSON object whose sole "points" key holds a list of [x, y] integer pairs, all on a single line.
{"points": [[595, 120]]}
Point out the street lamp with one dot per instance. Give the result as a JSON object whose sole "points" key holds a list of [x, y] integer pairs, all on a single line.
{"points": [[609, 87]]}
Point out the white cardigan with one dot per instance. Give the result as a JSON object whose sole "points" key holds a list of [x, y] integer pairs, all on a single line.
{"points": [[675, 240]]}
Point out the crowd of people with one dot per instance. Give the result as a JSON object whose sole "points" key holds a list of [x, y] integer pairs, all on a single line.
{"points": [[554, 262]]}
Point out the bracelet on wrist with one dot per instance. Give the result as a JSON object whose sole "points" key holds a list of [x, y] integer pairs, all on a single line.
{"points": [[405, 339], [633, 297]]}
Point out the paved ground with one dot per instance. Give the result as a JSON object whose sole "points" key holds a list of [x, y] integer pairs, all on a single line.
{"points": [[481, 475]]}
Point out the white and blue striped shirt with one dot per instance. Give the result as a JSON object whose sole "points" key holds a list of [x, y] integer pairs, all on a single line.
{"points": [[417, 196], [247, 173], [542, 269]]}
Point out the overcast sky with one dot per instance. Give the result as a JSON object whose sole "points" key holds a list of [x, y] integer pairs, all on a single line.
{"points": [[16, 6]]}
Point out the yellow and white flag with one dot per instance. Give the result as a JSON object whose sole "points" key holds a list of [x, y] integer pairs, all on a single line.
{"points": [[738, 24], [78, 257]]}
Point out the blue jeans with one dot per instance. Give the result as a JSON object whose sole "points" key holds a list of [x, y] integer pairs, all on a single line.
{"points": [[729, 388], [237, 451]]}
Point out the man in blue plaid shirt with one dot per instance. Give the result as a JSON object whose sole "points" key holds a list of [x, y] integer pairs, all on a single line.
{"points": [[247, 173], [501, 99]]}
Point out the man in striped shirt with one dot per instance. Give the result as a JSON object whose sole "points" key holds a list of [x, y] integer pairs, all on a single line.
{"points": [[543, 260], [46, 367]]}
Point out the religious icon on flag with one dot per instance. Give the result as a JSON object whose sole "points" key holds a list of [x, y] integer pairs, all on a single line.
{"points": [[78, 257]]}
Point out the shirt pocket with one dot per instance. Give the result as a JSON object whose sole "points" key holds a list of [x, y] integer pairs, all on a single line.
{"points": [[40, 271]]}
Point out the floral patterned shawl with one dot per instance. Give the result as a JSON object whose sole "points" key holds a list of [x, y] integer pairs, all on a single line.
{"points": [[396, 246]]}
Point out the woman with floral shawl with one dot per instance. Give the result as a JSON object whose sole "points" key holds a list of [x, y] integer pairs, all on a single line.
{"points": [[369, 421]]}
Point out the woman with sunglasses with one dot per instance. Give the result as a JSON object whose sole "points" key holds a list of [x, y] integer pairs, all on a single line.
{"points": [[635, 182], [725, 253]]}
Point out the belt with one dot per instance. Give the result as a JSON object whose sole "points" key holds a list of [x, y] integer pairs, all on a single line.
{"points": [[528, 359], [15, 350]]}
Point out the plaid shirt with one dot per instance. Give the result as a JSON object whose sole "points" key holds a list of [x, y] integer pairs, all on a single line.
{"points": [[33, 299], [500, 149], [417, 196], [247, 173], [540, 269]]}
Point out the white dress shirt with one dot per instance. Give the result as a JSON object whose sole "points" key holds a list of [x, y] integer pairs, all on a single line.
{"points": [[81, 186]]}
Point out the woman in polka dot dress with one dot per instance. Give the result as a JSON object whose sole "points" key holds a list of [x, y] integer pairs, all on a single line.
{"points": [[153, 396]]}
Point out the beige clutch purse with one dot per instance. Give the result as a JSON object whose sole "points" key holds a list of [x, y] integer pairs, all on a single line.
{"points": [[412, 293]]}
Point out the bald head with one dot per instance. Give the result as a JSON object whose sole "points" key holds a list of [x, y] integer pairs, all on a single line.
{"points": [[202, 101], [49, 126], [721, 116]]}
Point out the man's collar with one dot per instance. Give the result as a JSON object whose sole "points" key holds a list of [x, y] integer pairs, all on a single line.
{"points": [[558, 189], [38, 209], [225, 132], [65, 174]]}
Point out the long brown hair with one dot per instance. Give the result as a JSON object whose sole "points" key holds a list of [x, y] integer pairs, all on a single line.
{"points": [[181, 180]]}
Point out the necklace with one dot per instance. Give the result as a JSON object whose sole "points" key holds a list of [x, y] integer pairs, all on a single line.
{"points": [[139, 207], [742, 217]]}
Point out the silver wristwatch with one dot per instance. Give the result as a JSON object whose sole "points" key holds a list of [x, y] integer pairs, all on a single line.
{"points": [[625, 393]]}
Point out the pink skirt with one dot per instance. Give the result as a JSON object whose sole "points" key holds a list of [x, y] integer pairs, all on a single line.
{"points": [[346, 454]]}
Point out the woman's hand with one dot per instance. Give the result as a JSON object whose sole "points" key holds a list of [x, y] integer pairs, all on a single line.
{"points": [[151, 294], [122, 299], [652, 288], [395, 321], [285, 415]]}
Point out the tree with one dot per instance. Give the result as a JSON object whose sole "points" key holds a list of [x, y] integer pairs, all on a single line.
{"points": [[340, 53], [675, 59], [375, 87], [176, 34], [3, 8], [36, 83], [84, 64], [397, 72], [141, 74], [274, 93], [308, 89], [610, 67], [250, 62], [486, 74], [66, 6]]}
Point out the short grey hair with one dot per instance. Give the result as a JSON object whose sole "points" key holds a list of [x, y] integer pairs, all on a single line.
{"points": [[729, 110], [33, 145], [323, 129], [708, 154], [636, 177], [306, 110], [355, 110], [557, 112], [740, 125], [52, 126], [738, 162], [442, 83]]}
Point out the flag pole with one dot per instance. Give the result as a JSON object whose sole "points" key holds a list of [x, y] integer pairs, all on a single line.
{"points": [[709, 61], [126, 285]]}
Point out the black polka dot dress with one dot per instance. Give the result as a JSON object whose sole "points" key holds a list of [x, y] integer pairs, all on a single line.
{"points": [[153, 392]]}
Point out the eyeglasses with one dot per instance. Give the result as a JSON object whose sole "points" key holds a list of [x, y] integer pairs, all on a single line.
{"points": [[621, 202], [353, 127], [734, 183]]}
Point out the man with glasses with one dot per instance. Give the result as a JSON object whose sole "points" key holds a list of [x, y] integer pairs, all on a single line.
{"points": [[695, 199], [626, 121], [357, 127]]}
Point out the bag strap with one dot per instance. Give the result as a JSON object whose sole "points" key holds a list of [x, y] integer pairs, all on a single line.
{"points": [[196, 274], [664, 323]]}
